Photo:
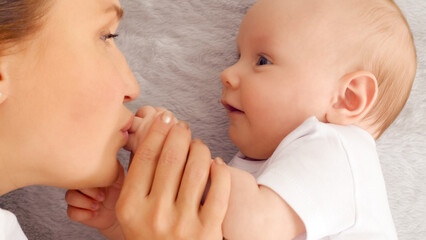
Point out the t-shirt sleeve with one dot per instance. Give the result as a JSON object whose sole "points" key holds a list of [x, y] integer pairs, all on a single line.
{"points": [[311, 172], [9, 227]]}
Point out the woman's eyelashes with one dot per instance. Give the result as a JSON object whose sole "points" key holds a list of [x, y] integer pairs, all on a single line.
{"points": [[108, 36], [262, 61]]}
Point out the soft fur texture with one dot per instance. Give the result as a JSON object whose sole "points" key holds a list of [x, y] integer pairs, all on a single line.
{"points": [[177, 50]]}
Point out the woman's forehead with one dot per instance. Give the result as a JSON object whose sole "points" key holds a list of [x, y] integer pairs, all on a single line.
{"points": [[80, 9]]}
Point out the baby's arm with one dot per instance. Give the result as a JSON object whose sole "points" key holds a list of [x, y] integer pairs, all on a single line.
{"points": [[257, 212]]}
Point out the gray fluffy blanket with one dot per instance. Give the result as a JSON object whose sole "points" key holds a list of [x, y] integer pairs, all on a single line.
{"points": [[177, 50]]}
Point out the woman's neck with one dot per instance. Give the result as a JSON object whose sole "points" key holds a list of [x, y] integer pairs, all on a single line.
{"points": [[12, 174], [6, 182]]}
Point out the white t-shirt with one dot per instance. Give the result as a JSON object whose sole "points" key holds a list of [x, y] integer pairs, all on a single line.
{"points": [[331, 176], [9, 227]]}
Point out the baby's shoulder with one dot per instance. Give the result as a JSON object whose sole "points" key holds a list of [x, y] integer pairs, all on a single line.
{"points": [[313, 134]]}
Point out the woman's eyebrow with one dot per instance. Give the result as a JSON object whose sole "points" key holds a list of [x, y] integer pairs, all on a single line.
{"points": [[117, 9]]}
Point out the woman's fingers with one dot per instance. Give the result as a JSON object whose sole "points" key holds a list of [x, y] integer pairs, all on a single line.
{"points": [[162, 167], [77, 199], [195, 177], [94, 193], [171, 164], [144, 162], [112, 192], [214, 209], [79, 215], [81, 208]]}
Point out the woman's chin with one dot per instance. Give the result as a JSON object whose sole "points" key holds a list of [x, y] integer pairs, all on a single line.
{"points": [[101, 176], [104, 171], [106, 176], [110, 178]]}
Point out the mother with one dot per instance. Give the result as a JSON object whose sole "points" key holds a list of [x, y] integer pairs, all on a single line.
{"points": [[63, 83]]}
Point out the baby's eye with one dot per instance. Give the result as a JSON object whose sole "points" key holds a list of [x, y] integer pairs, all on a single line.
{"points": [[262, 61], [107, 36]]}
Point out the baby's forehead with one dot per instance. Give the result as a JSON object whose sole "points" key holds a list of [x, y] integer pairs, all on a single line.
{"points": [[330, 11], [308, 15], [325, 22]]}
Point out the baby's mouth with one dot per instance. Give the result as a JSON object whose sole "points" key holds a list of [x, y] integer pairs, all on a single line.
{"points": [[230, 108]]}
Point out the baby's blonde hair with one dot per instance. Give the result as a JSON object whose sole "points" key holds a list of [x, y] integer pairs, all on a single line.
{"points": [[389, 53]]}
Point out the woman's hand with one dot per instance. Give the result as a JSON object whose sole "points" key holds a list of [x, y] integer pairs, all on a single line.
{"points": [[161, 195], [95, 207]]}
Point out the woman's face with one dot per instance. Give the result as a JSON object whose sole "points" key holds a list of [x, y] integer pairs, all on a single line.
{"points": [[67, 89]]}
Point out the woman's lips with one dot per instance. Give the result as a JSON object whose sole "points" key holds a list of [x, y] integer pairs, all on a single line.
{"points": [[126, 128]]}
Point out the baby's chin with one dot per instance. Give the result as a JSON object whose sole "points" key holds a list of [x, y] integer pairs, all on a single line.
{"points": [[255, 155]]}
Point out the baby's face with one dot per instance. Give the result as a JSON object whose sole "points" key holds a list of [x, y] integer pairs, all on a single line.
{"points": [[283, 75]]}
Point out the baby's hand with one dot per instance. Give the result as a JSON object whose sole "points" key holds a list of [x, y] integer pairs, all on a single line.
{"points": [[141, 124], [95, 207]]}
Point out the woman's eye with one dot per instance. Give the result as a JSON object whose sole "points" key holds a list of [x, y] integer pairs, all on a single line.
{"points": [[263, 61], [109, 36]]}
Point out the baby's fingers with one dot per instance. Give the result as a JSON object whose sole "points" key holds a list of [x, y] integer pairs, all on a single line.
{"points": [[134, 140], [146, 111]]}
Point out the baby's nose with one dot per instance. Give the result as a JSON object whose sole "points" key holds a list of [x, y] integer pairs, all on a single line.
{"points": [[229, 77]]}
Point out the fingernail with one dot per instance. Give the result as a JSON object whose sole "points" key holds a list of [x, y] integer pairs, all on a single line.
{"points": [[167, 117], [183, 125], [219, 161]]}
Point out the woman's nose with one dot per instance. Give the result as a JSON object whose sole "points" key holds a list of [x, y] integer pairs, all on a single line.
{"points": [[131, 86], [229, 77]]}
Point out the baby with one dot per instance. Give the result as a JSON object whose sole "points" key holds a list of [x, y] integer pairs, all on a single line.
{"points": [[316, 83]]}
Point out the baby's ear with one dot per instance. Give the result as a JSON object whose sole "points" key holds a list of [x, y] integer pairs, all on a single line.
{"points": [[354, 98]]}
